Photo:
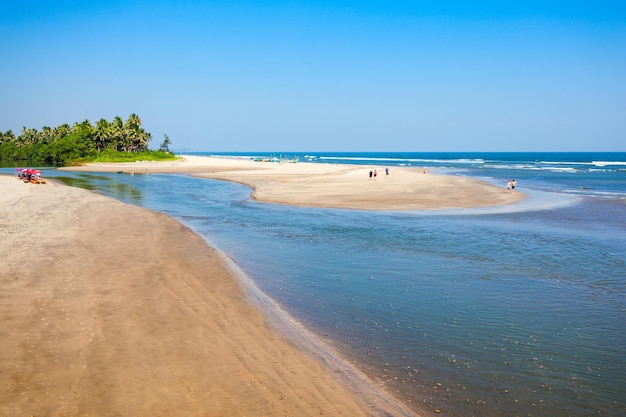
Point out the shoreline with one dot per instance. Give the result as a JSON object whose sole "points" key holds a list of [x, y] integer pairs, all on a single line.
{"points": [[341, 186], [379, 400], [327, 186], [112, 308]]}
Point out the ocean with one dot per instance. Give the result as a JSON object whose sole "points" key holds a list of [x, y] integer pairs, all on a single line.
{"points": [[504, 311]]}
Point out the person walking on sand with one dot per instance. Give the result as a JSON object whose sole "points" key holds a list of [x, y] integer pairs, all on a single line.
{"points": [[508, 186], [513, 184], [375, 174], [386, 171], [370, 173]]}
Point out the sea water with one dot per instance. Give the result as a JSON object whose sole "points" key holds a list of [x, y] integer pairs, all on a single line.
{"points": [[506, 311]]}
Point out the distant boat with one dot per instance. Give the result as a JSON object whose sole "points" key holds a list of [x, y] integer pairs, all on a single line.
{"points": [[276, 159]]}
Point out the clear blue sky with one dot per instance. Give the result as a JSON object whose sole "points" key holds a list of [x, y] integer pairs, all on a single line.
{"points": [[324, 75]]}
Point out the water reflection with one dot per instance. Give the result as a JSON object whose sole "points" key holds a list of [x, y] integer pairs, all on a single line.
{"points": [[108, 184], [23, 164]]}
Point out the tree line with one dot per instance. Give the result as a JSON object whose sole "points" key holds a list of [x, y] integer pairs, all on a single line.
{"points": [[65, 144]]}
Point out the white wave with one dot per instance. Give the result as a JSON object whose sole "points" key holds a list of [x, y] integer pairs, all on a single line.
{"points": [[562, 169], [596, 163], [532, 168], [564, 163], [528, 167], [594, 193], [606, 170], [451, 161], [436, 161], [606, 163]]}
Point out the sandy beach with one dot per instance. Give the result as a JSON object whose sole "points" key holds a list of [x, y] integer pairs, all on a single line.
{"points": [[109, 309], [331, 185]]}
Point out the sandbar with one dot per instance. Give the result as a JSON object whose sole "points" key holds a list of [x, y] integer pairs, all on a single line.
{"points": [[109, 309], [331, 185]]}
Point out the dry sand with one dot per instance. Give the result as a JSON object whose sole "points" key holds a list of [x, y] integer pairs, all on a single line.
{"points": [[108, 309], [332, 185]]}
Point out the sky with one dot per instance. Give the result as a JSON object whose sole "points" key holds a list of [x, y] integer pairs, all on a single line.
{"points": [[334, 76]]}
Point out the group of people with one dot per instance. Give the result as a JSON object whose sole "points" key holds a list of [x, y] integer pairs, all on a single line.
{"points": [[374, 173], [510, 186]]}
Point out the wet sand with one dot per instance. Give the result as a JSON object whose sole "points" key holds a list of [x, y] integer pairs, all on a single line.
{"points": [[109, 309], [332, 185]]}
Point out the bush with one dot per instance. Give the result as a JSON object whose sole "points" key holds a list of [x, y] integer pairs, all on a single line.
{"points": [[110, 155]]}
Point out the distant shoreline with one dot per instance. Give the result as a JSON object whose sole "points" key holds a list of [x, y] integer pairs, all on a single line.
{"points": [[331, 185]]}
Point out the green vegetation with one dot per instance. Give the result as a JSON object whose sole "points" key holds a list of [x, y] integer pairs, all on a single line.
{"points": [[115, 141], [109, 155]]}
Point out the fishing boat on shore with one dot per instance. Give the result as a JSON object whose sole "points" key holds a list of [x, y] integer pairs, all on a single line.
{"points": [[280, 159]]}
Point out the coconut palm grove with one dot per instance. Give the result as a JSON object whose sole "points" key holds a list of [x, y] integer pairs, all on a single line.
{"points": [[82, 142]]}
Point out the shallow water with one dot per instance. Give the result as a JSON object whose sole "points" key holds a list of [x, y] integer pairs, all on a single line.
{"points": [[485, 312]]}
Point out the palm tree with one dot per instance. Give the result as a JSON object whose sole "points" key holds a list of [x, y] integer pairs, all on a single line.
{"points": [[117, 133], [8, 137], [102, 134], [47, 134], [132, 127], [133, 122], [62, 131], [144, 139], [27, 137], [83, 128]]}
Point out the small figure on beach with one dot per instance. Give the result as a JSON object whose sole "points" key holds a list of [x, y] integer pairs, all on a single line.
{"points": [[513, 184], [375, 173], [508, 186], [371, 173], [386, 171]]}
